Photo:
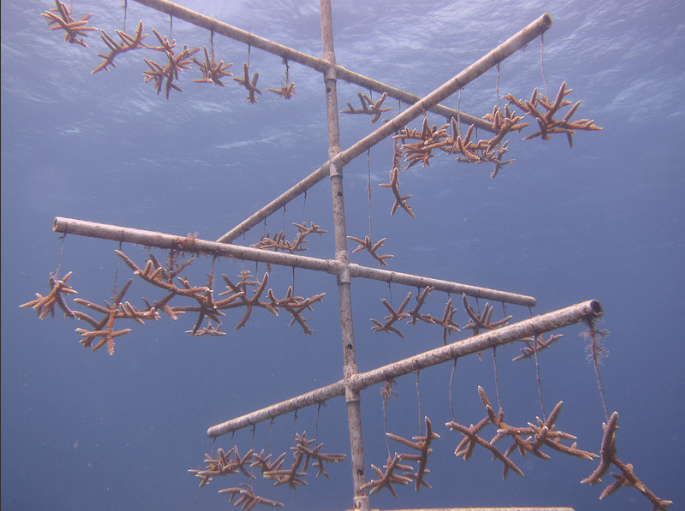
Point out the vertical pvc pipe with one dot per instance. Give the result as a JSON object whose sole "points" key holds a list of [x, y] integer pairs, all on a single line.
{"points": [[352, 397]]}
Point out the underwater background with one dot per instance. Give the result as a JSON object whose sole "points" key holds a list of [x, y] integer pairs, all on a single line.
{"points": [[604, 220]]}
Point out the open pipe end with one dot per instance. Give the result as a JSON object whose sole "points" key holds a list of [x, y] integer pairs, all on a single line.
{"points": [[596, 308], [57, 225], [547, 21]]}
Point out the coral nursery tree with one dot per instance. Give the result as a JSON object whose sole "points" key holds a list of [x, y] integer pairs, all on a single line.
{"points": [[211, 306]]}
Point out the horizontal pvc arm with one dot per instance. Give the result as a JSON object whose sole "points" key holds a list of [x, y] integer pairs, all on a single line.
{"points": [[333, 266], [530, 327]]}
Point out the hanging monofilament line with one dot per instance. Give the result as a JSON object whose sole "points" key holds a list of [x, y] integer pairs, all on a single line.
{"points": [[539, 381], [596, 352], [61, 252], [211, 44], [454, 368], [504, 313], [542, 62], [459, 112], [418, 398], [494, 364], [210, 284], [537, 371], [499, 99], [368, 186], [116, 273], [125, 10], [386, 394], [304, 206]]}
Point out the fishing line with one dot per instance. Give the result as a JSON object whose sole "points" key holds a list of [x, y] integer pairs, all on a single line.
{"points": [[368, 185], [542, 62], [125, 11]]}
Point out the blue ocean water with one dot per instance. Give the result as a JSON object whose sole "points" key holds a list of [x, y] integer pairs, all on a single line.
{"points": [[603, 221]]}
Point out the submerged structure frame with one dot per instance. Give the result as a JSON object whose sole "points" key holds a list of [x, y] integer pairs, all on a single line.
{"points": [[352, 382]]}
